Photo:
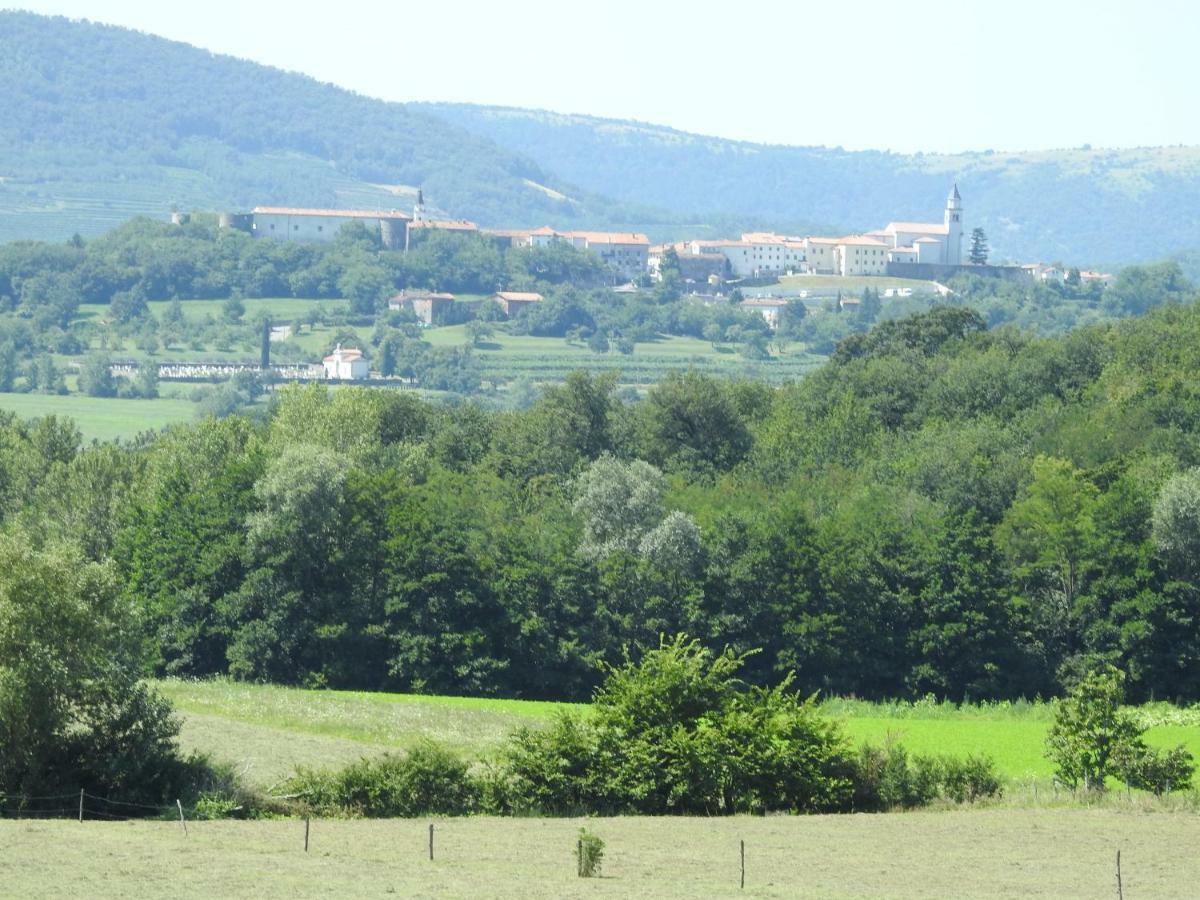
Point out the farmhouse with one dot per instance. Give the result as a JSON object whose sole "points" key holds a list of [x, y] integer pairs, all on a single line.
{"points": [[771, 308], [347, 364], [285, 223], [512, 302], [430, 308]]}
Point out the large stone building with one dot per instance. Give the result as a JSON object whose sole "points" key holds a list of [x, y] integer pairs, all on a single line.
{"points": [[286, 223]]}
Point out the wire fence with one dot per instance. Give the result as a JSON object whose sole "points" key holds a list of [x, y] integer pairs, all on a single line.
{"points": [[85, 805]]}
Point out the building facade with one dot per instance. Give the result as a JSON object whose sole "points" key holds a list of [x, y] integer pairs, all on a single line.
{"points": [[346, 364], [322, 225]]}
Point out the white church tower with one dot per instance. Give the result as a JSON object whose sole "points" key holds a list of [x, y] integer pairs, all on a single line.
{"points": [[954, 227]]}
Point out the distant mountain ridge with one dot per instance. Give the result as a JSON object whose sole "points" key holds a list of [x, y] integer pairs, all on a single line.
{"points": [[101, 122], [1079, 205]]}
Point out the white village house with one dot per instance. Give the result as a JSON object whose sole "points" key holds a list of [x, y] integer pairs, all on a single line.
{"points": [[347, 365]]}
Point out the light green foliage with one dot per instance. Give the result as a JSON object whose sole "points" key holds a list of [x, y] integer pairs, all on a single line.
{"points": [[427, 780], [1093, 738], [1051, 528], [620, 503], [1176, 518]]}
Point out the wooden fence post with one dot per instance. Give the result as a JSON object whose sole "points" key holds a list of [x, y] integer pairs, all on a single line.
{"points": [[431, 840], [1120, 888], [306, 824], [743, 865], [182, 821], [81, 804]]}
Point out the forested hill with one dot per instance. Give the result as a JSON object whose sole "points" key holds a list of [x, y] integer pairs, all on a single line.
{"points": [[101, 123], [1084, 206], [941, 508]]}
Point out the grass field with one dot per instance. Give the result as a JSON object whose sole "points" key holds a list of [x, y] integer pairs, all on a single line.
{"points": [[551, 359], [283, 308], [266, 730], [103, 418], [988, 853]]}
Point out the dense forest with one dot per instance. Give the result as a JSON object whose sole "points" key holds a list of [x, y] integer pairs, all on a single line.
{"points": [[942, 509]]}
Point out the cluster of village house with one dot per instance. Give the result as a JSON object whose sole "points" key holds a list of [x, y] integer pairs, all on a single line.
{"points": [[926, 250]]}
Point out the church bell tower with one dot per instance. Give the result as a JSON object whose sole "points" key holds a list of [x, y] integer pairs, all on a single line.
{"points": [[954, 227]]}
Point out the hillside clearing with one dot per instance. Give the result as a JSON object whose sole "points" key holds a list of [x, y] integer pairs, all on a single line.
{"points": [[1032, 853]]}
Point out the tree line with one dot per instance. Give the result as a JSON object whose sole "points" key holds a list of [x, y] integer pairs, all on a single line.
{"points": [[941, 509]]}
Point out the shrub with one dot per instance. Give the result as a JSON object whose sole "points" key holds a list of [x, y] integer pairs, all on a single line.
{"points": [[1158, 771], [589, 853], [678, 733], [889, 778], [427, 780], [1093, 737]]}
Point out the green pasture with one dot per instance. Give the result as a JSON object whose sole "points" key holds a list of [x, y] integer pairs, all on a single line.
{"points": [[1037, 852], [103, 418], [285, 309], [268, 730]]}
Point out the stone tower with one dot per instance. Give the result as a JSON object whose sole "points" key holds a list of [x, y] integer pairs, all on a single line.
{"points": [[954, 227]]}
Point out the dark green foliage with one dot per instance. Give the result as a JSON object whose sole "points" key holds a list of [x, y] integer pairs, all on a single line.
{"points": [[589, 853], [892, 779], [73, 713], [677, 733], [977, 255], [427, 780]]}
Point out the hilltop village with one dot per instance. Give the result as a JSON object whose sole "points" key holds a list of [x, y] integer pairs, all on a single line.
{"points": [[925, 250], [929, 252]]}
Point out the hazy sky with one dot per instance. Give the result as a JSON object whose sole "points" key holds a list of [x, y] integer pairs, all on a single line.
{"points": [[922, 75]]}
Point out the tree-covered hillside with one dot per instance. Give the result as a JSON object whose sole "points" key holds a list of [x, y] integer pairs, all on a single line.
{"points": [[1084, 206], [941, 509], [101, 123]]}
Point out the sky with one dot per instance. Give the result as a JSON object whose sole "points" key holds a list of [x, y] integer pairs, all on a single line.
{"points": [[928, 75]]}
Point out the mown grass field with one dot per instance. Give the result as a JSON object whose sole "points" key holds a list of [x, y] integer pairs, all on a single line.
{"points": [[267, 730], [103, 418], [980, 853]]}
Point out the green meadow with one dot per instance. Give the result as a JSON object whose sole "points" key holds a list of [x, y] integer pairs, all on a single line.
{"points": [[268, 730], [103, 418]]}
